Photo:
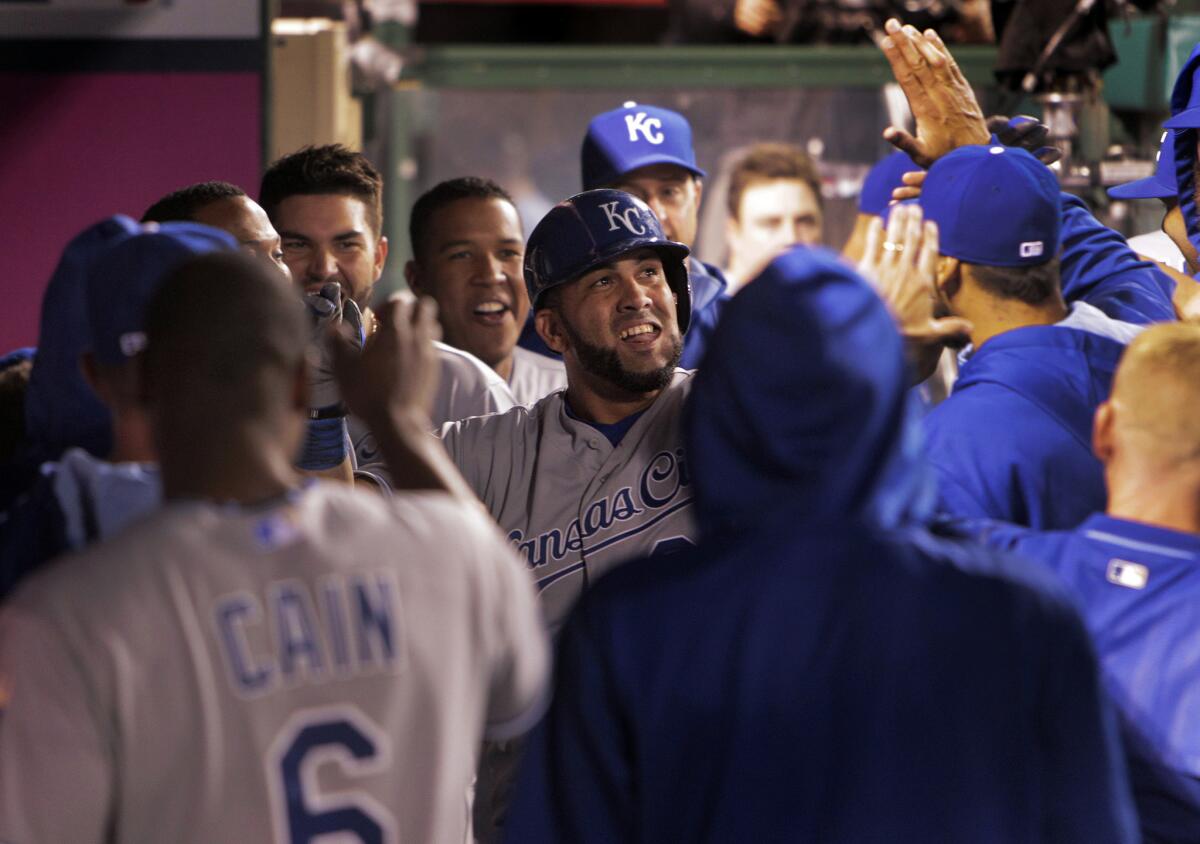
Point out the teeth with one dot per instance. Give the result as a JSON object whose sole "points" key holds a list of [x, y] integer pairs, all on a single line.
{"points": [[490, 308], [644, 328]]}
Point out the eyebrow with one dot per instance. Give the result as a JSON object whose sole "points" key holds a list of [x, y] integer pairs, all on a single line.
{"points": [[450, 244]]}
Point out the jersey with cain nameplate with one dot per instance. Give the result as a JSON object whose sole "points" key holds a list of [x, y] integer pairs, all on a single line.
{"points": [[573, 504], [322, 666]]}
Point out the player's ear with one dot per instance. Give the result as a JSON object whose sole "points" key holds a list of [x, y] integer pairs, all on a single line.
{"points": [[412, 275], [381, 251], [949, 278], [699, 189], [1103, 441], [550, 328]]}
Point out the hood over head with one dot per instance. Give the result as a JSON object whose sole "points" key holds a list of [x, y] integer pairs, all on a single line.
{"points": [[1185, 119], [801, 402]]}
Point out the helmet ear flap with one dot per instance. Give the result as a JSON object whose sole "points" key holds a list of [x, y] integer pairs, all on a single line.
{"points": [[681, 288]]}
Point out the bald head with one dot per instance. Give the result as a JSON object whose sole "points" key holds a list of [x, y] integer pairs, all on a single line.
{"points": [[1155, 400], [225, 338]]}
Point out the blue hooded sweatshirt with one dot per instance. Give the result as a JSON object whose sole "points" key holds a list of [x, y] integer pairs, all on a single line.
{"points": [[820, 668]]}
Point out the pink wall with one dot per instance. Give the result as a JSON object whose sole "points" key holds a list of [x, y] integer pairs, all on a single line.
{"points": [[77, 147]]}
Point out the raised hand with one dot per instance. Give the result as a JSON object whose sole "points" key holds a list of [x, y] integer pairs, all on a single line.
{"points": [[903, 265], [395, 376], [942, 102]]}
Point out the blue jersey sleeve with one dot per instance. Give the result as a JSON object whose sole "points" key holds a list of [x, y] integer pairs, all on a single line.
{"points": [[1099, 268], [704, 322], [576, 781]]}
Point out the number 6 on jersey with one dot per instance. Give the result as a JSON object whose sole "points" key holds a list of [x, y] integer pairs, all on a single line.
{"points": [[339, 735]]}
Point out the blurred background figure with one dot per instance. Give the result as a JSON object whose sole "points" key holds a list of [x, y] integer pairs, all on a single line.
{"points": [[774, 202], [822, 21]]}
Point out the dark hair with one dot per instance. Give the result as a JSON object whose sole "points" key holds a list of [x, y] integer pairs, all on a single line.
{"points": [[769, 162], [14, 384], [185, 202], [1031, 285], [231, 369], [330, 169], [443, 194]]}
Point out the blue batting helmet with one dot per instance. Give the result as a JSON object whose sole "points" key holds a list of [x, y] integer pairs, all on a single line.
{"points": [[593, 228]]}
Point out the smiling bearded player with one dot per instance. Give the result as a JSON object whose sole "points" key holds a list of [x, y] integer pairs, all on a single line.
{"points": [[586, 478]]}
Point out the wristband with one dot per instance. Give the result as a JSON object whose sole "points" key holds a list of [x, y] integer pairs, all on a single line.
{"points": [[324, 444]]}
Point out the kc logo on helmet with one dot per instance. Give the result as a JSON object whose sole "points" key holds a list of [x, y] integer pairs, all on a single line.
{"points": [[1032, 248], [615, 218], [646, 125]]}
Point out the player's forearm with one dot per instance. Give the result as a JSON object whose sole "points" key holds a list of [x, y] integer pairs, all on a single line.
{"points": [[416, 459]]}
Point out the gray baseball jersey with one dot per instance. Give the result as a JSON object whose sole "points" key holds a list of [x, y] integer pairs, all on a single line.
{"points": [[466, 387], [535, 376], [324, 666], [572, 504]]}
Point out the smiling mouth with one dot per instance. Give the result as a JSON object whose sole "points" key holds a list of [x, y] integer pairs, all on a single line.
{"points": [[641, 332], [490, 309]]}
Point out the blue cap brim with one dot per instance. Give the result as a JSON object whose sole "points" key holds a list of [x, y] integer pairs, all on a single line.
{"points": [[1189, 118], [1147, 188], [647, 160]]}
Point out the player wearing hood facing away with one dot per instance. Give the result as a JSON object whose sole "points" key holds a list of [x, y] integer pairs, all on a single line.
{"points": [[820, 668]]}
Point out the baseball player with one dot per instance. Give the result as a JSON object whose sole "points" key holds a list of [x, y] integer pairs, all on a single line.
{"points": [[647, 151], [820, 668], [226, 207], [886, 175], [595, 474], [588, 477], [61, 410], [1135, 569], [266, 660], [467, 246], [81, 498], [327, 204], [1011, 441]]}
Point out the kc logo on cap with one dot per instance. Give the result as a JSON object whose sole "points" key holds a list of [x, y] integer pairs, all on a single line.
{"points": [[635, 136], [639, 122]]}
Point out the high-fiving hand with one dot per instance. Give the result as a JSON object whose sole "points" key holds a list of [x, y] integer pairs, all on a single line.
{"points": [[942, 102]]}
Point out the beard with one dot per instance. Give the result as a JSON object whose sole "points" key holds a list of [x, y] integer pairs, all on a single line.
{"points": [[606, 364]]}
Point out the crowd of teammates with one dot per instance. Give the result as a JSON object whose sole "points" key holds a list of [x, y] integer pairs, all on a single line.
{"points": [[276, 565]]}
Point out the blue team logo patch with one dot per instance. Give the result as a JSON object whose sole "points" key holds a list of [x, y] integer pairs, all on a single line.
{"points": [[276, 531]]}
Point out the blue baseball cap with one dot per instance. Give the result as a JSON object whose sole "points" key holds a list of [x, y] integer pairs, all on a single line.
{"points": [[123, 278], [1159, 186], [881, 180], [994, 205], [635, 136]]}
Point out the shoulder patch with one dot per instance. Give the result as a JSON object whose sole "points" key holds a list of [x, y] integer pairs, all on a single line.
{"points": [[1127, 574]]}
